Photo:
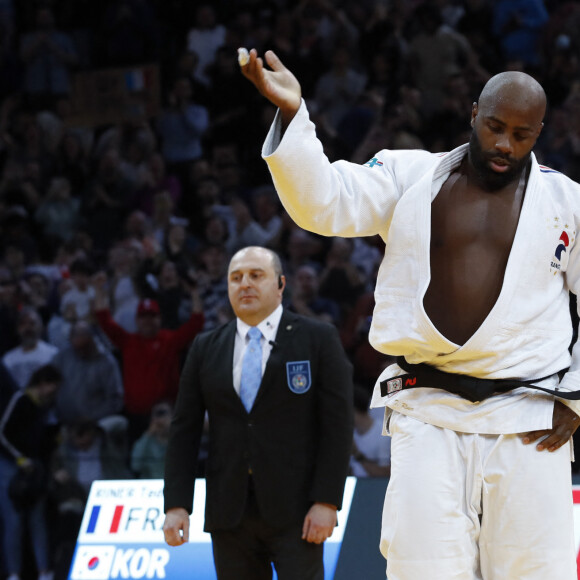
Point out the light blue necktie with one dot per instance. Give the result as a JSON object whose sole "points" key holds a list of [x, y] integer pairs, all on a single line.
{"points": [[251, 369]]}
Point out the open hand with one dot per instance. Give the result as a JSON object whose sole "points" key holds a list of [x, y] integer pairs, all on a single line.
{"points": [[278, 85]]}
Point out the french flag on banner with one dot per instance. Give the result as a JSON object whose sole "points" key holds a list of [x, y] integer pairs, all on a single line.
{"points": [[92, 525]]}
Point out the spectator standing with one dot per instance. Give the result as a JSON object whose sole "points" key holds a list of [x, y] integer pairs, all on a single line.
{"points": [[341, 279], [176, 243], [518, 25], [436, 52], [80, 293], [267, 210], [306, 300], [32, 353], [181, 127], [171, 289], [206, 36], [58, 213], [37, 291], [71, 161], [148, 453], [25, 447], [60, 323], [157, 180], [213, 286], [151, 356], [124, 260], [105, 200], [48, 55], [338, 89], [88, 452], [301, 247], [162, 216], [91, 380]]}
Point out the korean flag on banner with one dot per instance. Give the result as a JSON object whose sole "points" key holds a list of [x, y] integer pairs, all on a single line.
{"points": [[93, 563]]}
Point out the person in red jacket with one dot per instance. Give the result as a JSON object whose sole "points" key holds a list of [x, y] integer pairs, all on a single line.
{"points": [[151, 356]]}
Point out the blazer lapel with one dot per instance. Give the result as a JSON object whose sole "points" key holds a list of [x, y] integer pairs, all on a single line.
{"points": [[284, 334]]}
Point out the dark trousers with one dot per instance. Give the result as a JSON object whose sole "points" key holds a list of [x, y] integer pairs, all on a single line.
{"points": [[248, 551]]}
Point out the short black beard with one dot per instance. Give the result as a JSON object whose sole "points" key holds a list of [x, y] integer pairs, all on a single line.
{"points": [[490, 179]]}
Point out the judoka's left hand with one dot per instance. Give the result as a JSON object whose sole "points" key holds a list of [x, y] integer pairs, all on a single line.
{"points": [[564, 424], [319, 523]]}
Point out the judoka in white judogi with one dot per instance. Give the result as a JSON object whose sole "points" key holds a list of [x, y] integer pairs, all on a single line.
{"points": [[482, 467], [467, 499]]}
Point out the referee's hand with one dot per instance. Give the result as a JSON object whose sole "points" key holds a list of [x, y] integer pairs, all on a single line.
{"points": [[319, 523], [176, 527]]}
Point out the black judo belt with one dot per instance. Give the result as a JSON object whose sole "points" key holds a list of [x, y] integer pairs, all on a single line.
{"points": [[471, 388]]}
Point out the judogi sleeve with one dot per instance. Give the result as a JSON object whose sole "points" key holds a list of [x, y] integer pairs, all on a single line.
{"points": [[331, 199]]}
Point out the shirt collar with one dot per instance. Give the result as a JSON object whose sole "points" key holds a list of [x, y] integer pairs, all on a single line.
{"points": [[268, 327]]}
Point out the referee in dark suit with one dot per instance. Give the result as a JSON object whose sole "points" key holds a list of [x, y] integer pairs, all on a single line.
{"points": [[279, 442]]}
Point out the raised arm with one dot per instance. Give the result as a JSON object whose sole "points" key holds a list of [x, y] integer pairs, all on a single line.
{"points": [[338, 199], [278, 85]]}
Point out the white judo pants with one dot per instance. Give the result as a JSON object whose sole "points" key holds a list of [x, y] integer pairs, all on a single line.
{"points": [[463, 506]]}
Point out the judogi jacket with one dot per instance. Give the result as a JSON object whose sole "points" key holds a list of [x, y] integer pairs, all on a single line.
{"points": [[528, 331]]}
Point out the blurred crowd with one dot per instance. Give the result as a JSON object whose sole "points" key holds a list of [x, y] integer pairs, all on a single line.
{"points": [[115, 238]]}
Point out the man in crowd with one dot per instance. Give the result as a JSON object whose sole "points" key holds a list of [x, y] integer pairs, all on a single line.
{"points": [[33, 352], [91, 380], [151, 356], [27, 441]]}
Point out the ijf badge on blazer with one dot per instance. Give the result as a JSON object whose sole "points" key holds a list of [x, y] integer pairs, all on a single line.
{"points": [[299, 376]]}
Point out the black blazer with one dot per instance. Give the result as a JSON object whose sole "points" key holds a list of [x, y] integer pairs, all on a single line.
{"points": [[296, 444]]}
